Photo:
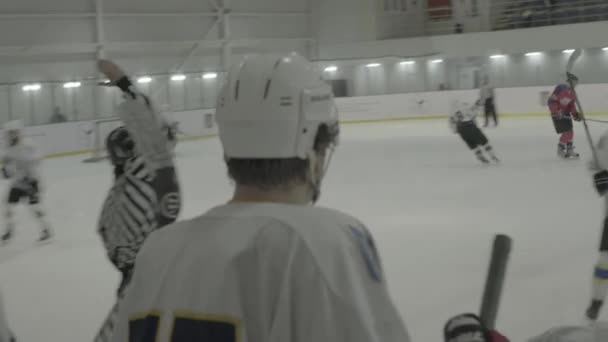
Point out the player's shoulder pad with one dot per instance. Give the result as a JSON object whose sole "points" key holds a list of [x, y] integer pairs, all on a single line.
{"points": [[339, 243]]}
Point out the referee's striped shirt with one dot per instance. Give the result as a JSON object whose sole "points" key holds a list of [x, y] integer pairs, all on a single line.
{"points": [[129, 213]]}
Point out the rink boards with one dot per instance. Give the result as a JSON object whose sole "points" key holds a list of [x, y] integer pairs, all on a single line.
{"points": [[79, 137]]}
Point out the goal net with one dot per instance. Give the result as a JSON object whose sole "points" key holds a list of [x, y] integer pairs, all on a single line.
{"points": [[96, 133]]}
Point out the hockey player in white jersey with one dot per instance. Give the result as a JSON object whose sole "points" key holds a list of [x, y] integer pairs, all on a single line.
{"points": [[172, 128], [145, 195], [600, 273], [266, 266], [462, 121], [21, 164]]}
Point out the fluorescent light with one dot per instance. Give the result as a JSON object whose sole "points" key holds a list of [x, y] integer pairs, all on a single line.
{"points": [[436, 61], [605, 49], [144, 79], [209, 75], [373, 65], [31, 87], [497, 56], [72, 85], [532, 54], [331, 68], [568, 51], [178, 77], [407, 62]]}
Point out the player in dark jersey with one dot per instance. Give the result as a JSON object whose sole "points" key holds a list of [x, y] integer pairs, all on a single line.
{"points": [[145, 195]]}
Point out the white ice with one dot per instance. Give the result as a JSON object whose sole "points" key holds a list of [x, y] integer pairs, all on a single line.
{"points": [[432, 208]]}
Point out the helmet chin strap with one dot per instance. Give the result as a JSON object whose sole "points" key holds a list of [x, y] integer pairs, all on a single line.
{"points": [[315, 179]]}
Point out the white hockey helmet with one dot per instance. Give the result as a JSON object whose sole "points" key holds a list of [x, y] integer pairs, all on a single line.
{"points": [[272, 106], [14, 125]]}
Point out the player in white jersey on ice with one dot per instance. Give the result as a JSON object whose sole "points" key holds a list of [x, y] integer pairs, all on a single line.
{"points": [[267, 266], [5, 332], [600, 274], [463, 122], [21, 164]]}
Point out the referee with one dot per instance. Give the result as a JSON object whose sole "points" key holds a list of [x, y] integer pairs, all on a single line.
{"points": [[486, 97], [145, 195]]}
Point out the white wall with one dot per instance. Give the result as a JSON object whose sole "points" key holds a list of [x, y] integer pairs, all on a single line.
{"points": [[72, 136], [514, 70], [526, 101], [91, 101], [40, 41], [402, 24], [476, 44], [334, 21]]}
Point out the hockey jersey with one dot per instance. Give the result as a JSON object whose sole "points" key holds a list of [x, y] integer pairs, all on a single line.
{"points": [[595, 333], [260, 272], [462, 113], [146, 195], [486, 92], [562, 101], [22, 162]]}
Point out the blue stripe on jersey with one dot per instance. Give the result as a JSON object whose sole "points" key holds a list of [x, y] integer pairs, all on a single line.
{"points": [[601, 273], [368, 251]]}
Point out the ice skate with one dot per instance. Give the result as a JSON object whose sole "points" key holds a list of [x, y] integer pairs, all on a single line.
{"points": [[45, 235], [483, 159], [593, 311], [561, 150], [570, 153]]}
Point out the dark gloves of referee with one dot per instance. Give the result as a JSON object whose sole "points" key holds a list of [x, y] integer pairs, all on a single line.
{"points": [[600, 180]]}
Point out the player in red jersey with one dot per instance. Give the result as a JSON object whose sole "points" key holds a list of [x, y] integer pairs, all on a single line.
{"points": [[563, 109]]}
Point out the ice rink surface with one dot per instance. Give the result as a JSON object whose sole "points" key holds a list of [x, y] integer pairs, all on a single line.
{"points": [[431, 206]]}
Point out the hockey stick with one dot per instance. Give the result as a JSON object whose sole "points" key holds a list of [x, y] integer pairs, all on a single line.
{"points": [[571, 77], [595, 120], [495, 280]]}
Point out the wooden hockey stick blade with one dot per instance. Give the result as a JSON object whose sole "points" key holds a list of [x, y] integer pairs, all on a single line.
{"points": [[501, 249]]}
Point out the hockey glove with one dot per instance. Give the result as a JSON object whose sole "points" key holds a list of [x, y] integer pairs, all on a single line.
{"points": [[470, 328], [601, 182], [576, 116]]}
